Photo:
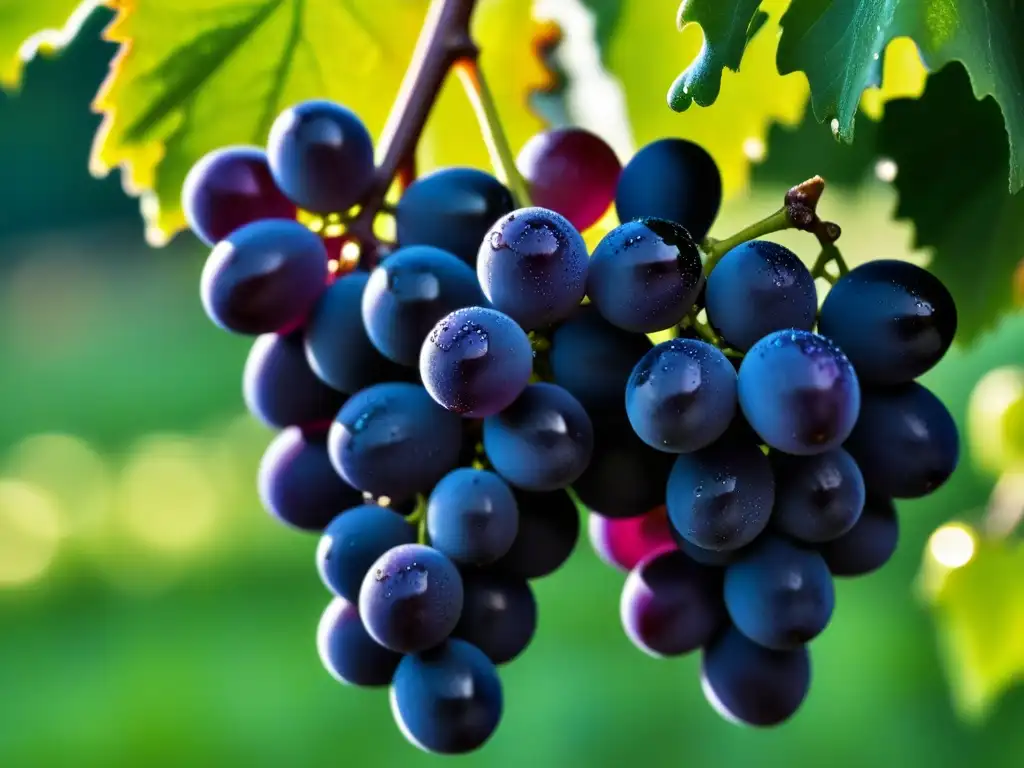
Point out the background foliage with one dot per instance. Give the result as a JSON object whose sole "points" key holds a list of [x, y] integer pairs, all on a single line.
{"points": [[151, 613]]}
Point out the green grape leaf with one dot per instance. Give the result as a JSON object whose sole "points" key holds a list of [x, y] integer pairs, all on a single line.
{"points": [[978, 607], [645, 53], [951, 179], [840, 46], [26, 26], [728, 27], [196, 75]]}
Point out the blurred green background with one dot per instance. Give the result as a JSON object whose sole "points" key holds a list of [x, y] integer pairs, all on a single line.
{"points": [[152, 614]]}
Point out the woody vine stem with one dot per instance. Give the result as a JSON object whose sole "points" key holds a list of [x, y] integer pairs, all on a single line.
{"points": [[446, 45]]}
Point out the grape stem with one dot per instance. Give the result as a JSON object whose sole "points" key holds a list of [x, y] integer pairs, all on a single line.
{"points": [[799, 211], [444, 40], [418, 517], [479, 95], [716, 249]]}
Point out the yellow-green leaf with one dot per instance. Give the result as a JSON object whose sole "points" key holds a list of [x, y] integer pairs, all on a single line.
{"points": [[26, 26], [975, 588], [646, 52], [195, 75]]}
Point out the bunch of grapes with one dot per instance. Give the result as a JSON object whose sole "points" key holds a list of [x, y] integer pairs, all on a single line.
{"points": [[449, 401]]}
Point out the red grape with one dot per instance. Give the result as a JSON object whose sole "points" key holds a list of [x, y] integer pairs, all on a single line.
{"points": [[624, 542], [570, 171]]}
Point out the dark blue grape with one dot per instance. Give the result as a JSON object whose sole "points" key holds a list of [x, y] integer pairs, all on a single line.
{"points": [[549, 527], [721, 497], [298, 485], [337, 347], [229, 188], [671, 179], [472, 516], [758, 288], [671, 605], [321, 156], [452, 209], [817, 498], [542, 442], [408, 293], [711, 557], [532, 266], [264, 277], [348, 652], [353, 541], [571, 171], [905, 442], [625, 476], [499, 614], [645, 275], [411, 598], [592, 359], [393, 440], [280, 389], [868, 545], [799, 392], [476, 361], [751, 685], [681, 396], [779, 594], [447, 700], [893, 319]]}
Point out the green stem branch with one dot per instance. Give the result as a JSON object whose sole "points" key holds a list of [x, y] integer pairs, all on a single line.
{"points": [[716, 249], [479, 95]]}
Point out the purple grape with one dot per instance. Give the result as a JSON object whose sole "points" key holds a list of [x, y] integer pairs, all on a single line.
{"points": [[817, 498], [297, 483], [472, 516], [447, 700], [894, 319], [411, 598], [671, 605], [779, 594], [321, 156], [799, 392], [476, 362], [264, 277], [348, 652], [905, 441], [229, 188], [721, 497], [751, 685], [499, 614], [867, 546], [280, 389], [542, 442], [645, 275], [393, 440], [532, 266], [681, 396], [757, 288]]}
